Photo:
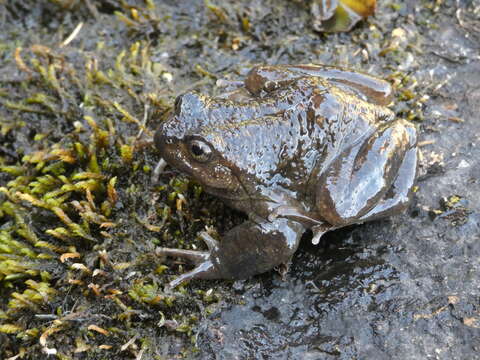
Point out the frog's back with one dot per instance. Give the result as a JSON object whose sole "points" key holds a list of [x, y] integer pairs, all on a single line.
{"points": [[292, 132]]}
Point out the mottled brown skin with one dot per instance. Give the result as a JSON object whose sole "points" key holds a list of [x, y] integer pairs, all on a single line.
{"points": [[296, 148]]}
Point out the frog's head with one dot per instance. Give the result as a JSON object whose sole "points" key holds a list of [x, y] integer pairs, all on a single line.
{"points": [[189, 141], [234, 146]]}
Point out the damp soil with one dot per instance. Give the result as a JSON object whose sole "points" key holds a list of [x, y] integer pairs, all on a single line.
{"points": [[407, 287]]}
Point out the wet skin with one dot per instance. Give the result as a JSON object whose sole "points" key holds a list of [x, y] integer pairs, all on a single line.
{"points": [[296, 148]]}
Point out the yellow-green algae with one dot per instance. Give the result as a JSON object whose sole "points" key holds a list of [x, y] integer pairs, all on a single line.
{"points": [[72, 209]]}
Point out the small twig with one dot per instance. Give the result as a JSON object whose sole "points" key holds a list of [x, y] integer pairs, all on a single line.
{"points": [[46, 316], [19, 61], [447, 58], [140, 354], [92, 8], [463, 24], [72, 36], [426, 142], [128, 343], [456, 119], [146, 107]]}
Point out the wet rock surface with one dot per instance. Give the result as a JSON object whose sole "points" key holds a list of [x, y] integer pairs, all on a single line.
{"points": [[407, 287], [404, 288]]}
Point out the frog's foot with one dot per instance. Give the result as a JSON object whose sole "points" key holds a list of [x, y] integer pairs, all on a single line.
{"points": [[204, 269], [369, 173]]}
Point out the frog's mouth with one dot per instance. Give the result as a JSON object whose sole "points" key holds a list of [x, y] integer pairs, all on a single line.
{"points": [[239, 193]]}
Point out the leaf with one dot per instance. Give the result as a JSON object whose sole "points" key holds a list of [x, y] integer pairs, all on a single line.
{"points": [[363, 8], [340, 15]]}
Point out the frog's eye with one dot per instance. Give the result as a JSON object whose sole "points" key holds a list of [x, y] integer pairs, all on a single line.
{"points": [[200, 151]]}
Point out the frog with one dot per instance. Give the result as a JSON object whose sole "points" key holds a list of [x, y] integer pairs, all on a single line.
{"points": [[296, 148]]}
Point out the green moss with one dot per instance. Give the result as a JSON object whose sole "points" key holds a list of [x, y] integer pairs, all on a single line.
{"points": [[76, 215]]}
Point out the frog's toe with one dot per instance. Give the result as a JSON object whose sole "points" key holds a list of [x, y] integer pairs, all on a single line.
{"points": [[195, 257], [204, 270], [211, 243]]}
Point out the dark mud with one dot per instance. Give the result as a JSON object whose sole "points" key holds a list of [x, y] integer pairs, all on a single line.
{"points": [[404, 288], [407, 287]]}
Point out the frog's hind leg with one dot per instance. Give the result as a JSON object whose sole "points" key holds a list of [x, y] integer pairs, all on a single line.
{"points": [[370, 88], [270, 78], [370, 179], [398, 196]]}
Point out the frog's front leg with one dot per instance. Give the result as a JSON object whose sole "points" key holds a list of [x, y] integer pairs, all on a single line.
{"points": [[247, 249], [269, 78], [371, 178]]}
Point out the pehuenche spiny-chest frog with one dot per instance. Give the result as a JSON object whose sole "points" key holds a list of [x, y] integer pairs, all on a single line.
{"points": [[295, 148]]}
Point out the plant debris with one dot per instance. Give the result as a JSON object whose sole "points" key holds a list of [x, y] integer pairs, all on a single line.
{"points": [[340, 15]]}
